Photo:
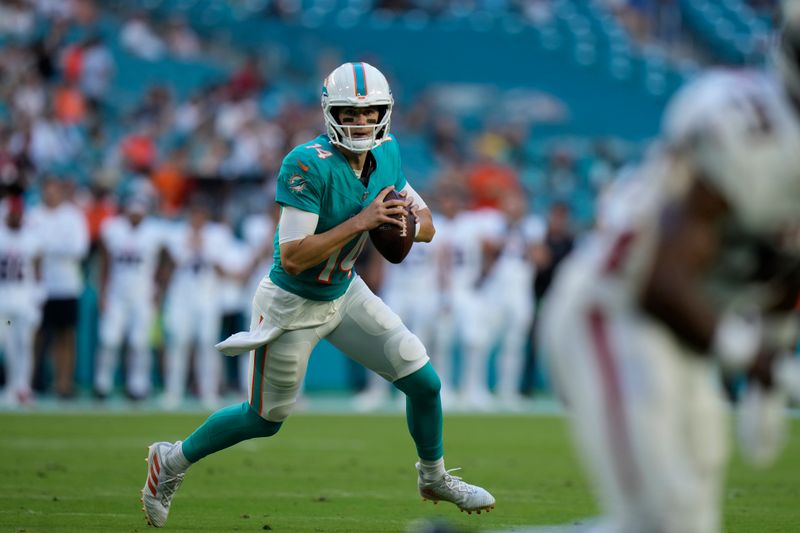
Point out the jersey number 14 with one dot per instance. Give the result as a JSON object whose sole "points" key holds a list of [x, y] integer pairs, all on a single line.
{"points": [[347, 262]]}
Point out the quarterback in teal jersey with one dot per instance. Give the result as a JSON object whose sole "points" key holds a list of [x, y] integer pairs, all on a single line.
{"points": [[331, 191]]}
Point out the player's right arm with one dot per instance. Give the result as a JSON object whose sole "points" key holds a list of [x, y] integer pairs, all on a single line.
{"points": [[302, 249]]}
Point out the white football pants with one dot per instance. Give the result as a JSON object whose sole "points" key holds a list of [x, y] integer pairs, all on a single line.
{"points": [[363, 328], [16, 342], [131, 318], [647, 415], [188, 321]]}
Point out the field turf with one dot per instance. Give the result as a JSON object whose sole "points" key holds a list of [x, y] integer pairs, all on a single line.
{"points": [[324, 473]]}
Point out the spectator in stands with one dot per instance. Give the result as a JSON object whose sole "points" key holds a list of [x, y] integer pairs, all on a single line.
{"points": [[69, 104], [248, 80], [61, 227], [17, 18], [490, 178], [29, 97], [139, 38], [53, 143], [97, 71], [562, 176], [181, 39]]}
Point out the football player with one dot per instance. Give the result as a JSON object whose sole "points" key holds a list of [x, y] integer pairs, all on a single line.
{"points": [[460, 259], [21, 297], [192, 314], [130, 248], [506, 293], [332, 191], [697, 270]]}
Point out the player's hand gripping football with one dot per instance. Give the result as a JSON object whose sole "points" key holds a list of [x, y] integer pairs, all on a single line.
{"points": [[382, 211]]}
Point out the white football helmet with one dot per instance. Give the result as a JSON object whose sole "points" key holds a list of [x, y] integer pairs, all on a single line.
{"points": [[356, 85]]}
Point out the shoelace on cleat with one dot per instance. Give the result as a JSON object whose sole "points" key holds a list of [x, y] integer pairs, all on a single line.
{"points": [[168, 487], [456, 483]]}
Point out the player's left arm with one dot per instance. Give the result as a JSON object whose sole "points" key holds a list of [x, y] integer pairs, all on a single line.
{"points": [[424, 219]]}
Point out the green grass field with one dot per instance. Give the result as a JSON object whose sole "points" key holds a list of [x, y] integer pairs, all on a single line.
{"points": [[324, 473]]}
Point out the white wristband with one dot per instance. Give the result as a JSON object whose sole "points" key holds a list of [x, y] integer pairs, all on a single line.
{"points": [[416, 227], [737, 340]]}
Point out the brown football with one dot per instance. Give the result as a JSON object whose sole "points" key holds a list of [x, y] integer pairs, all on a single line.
{"points": [[393, 241]]}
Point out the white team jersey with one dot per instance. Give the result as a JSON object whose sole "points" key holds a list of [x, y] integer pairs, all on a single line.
{"points": [[514, 267], [195, 273], [418, 272], [133, 253], [737, 130], [65, 241], [234, 261], [18, 250], [460, 239], [258, 231]]}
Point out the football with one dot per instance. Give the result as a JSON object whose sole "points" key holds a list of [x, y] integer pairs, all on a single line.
{"points": [[392, 241]]}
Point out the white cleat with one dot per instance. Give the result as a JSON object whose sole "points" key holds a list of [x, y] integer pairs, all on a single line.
{"points": [[455, 490], [160, 486]]}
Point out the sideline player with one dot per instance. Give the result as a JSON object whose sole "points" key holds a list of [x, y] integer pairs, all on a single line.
{"points": [[131, 244], [332, 192], [694, 271], [192, 308], [20, 299]]}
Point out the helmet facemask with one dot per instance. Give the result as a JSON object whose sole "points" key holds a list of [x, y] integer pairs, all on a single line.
{"points": [[341, 134], [356, 85]]}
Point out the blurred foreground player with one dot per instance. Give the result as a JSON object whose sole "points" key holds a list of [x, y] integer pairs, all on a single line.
{"points": [[332, 191], [697, 268]]}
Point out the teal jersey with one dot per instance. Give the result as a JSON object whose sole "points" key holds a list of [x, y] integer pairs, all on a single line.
{"points": [[316, 177]]}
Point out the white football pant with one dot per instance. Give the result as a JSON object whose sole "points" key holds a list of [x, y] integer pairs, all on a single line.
{"points": [[131, 318], [646, 414], [16, 342], [362, 327], [190, 321], [418, 311]]}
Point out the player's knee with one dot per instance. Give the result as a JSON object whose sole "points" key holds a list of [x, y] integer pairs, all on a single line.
{"points": [[424, 383], [278, 413], [261, 426]]}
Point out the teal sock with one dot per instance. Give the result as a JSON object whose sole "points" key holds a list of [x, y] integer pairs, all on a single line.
{"points": [[225, 428], [424, 411]]}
